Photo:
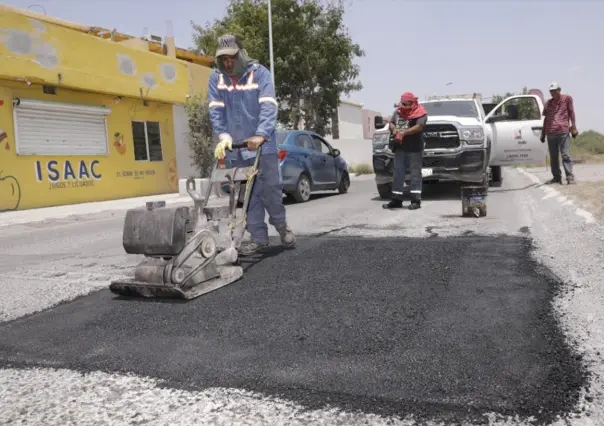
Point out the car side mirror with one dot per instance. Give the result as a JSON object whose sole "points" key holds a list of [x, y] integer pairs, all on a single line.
{"points": [[378, 122], [497, 118], [335, 152]]}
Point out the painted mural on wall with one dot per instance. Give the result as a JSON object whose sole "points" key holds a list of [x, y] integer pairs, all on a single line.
{"points": [[3, 140], [10, 193], [68, 174], [10, 189], [32, 44], [127, 66], [118, 142], [173, 174]]}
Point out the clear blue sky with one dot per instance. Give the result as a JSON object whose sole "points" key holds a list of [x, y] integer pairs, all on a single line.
{"points": [[484, 46]]}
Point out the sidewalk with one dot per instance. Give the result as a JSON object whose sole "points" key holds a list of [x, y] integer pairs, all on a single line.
{"points": [[59, 212]]}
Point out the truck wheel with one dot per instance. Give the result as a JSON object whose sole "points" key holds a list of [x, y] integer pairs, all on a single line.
{"points": [[385, 190], [303, 189], [496, 177]]}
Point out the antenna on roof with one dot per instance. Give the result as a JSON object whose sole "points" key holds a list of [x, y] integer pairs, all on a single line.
{"points": [[169, 29]]}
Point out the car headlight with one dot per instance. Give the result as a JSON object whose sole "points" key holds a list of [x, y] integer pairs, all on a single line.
{"points": [[472, 135]]}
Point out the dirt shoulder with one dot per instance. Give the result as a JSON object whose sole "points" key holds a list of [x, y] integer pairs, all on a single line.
{"points": [[587, 192], [590, 194]]}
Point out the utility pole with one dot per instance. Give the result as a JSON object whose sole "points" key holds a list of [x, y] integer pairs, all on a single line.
{"points": [[270, 42]]}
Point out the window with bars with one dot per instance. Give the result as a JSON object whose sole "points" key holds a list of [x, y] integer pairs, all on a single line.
{"points": [[147, 141]]}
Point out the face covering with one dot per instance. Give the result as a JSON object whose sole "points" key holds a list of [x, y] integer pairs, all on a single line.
{"points": [[241, 63], [416, 109]]}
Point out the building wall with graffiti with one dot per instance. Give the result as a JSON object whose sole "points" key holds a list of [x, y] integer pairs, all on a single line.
{"points": [[84, 118]]}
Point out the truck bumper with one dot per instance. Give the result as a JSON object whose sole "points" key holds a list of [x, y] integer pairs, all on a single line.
{"points": [[468, 165]]}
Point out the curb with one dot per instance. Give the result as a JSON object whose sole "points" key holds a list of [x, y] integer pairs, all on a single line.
{"points": [[61, 212]]}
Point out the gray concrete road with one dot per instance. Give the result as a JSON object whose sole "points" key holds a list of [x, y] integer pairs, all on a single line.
{"points": [[378, 317]]}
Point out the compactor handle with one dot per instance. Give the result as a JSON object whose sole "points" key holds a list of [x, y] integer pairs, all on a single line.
{"points": [[191, 190], [240, 145]]}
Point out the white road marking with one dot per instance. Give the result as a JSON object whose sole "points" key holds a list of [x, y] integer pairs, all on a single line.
{"points": [[589, 218], [531, 176], [563, 200], [550, 193]]}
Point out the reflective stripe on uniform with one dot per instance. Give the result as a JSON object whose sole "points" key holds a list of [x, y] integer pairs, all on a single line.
{"points": [[268, 99], [249, 85]]}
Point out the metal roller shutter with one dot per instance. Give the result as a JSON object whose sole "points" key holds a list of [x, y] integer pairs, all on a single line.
{"points": [[52, 128]]}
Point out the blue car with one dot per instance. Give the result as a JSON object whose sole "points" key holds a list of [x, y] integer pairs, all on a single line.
{"points": [[308, 163]]}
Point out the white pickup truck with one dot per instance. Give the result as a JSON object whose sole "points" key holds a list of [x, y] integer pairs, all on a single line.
{"points": [[466, 144]]}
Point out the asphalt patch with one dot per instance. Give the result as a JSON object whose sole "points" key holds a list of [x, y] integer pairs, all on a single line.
{"points": [[441, 328]]}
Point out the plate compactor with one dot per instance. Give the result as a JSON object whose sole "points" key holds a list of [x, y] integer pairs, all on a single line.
{"points": [[188, 252]]}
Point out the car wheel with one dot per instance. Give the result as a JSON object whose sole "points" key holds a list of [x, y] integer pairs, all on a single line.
{"points": [[385, 190], [344, 183], [303, 189]]}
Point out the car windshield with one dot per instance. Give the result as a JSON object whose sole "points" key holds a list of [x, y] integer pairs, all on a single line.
{"points": [[281, 136], [454, 108]]}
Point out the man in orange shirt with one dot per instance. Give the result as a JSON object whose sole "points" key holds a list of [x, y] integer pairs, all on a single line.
{"points": [[558, 111]]}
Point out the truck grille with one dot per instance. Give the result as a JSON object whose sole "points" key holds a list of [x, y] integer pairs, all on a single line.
{"points": [[441, 136]]}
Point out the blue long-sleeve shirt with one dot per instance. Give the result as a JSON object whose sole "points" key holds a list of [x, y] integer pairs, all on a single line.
{"points": [[244, 109]]}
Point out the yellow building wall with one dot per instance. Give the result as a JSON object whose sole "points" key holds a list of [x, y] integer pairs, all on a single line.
{"points": [[42, 52], [199, 77], [118, 174]]}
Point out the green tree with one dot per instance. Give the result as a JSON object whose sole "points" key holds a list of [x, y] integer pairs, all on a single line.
{"points": [[527, 108], [313, 52]]}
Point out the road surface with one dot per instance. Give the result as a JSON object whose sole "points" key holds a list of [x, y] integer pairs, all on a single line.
{"points": [[377, 317]]}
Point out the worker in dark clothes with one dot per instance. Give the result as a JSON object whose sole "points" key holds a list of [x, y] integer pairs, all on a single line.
{"points": [[407, 125]]}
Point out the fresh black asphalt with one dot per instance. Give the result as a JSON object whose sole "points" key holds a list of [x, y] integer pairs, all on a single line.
{"points": [[444, 328]]}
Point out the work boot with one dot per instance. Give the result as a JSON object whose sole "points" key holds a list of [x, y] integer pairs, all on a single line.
{"points": [[570, 180], [250, 247], [415, 205], [554, 180], [393, 204], [288, 238]]}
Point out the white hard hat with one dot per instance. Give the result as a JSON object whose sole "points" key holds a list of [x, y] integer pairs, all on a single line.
{"points": [[554, 86]]}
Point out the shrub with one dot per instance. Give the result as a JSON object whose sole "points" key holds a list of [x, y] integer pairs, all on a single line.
{"points": [[361, 169], [200, 136], [590, 141]]}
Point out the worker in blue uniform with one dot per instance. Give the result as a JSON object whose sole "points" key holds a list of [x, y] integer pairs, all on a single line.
{"points": [[243, 107]]}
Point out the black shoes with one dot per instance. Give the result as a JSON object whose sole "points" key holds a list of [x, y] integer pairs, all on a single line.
{"points": [[398, 204], [554, 180], [393, 204]]}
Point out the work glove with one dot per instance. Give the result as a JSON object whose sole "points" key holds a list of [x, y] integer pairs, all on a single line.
{"points": [[398, 137], [574, 133], [542, 138], [254, 142], [225, 142]]}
